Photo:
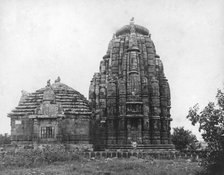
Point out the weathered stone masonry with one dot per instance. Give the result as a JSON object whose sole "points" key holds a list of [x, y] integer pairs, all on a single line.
{"points": [[55, 113], [129, 102], [130, 95]]}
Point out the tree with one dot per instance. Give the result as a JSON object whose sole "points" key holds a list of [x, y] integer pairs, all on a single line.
{"points": [[184, 139], [211, 124]]}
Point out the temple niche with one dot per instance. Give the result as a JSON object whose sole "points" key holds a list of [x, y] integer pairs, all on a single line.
{"points": [[53, 114], [130, 96]]}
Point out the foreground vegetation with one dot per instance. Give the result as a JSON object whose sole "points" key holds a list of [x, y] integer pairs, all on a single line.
{"points": [[132, 166], [59, 159]]}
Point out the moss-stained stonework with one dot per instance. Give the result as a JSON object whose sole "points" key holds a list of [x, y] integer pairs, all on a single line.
{"points": [[130, 95]]}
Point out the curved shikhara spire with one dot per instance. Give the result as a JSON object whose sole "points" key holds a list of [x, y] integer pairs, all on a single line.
{"points": [[131, 92]]}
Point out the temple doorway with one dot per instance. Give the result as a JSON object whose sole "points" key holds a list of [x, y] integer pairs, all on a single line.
{"points": [[134, 130]]}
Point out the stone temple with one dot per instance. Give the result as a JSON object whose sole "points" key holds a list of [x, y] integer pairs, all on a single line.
{"points": [[130, 96], [129, 102], [55, 113]]}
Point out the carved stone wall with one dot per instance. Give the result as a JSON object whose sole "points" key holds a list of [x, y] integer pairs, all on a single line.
{"points": [[131, 93], [55, 113]]}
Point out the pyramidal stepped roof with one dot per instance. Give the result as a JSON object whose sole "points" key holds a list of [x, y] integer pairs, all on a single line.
{"points": [[71, 101]]}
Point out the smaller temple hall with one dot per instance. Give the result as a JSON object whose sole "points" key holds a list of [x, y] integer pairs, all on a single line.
{"points": [[55, 113]]}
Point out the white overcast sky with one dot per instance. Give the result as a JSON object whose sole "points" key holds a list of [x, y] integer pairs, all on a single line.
{"points": [[40, 40]]}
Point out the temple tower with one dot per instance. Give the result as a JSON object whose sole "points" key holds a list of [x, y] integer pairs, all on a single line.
{"points": [[130, 96]]}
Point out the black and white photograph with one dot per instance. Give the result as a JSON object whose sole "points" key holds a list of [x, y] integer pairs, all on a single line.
{"points": [[116, 87]]}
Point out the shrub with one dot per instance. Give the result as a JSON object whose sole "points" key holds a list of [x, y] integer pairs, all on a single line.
{"points": [[184, 139], [211, 122], [39, 156]]}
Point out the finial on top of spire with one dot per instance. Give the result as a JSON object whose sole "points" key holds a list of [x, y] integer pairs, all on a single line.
{"points": [[114, 36], [132, 19], [132, 25], [58, 80], [48, 83]]}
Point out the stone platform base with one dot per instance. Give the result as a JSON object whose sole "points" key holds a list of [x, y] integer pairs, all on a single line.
{"points": [[145, 148], [158, 154]]}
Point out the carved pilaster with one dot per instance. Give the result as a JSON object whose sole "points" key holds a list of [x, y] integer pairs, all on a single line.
{"points": [[121, 133], [139, 139], [164, 130], [146, 131], [111, 138], [156, 126], [35, 129], [129, 139]]}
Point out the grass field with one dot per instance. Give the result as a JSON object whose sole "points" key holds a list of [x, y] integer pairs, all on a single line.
{"points": [[114, 166]]}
